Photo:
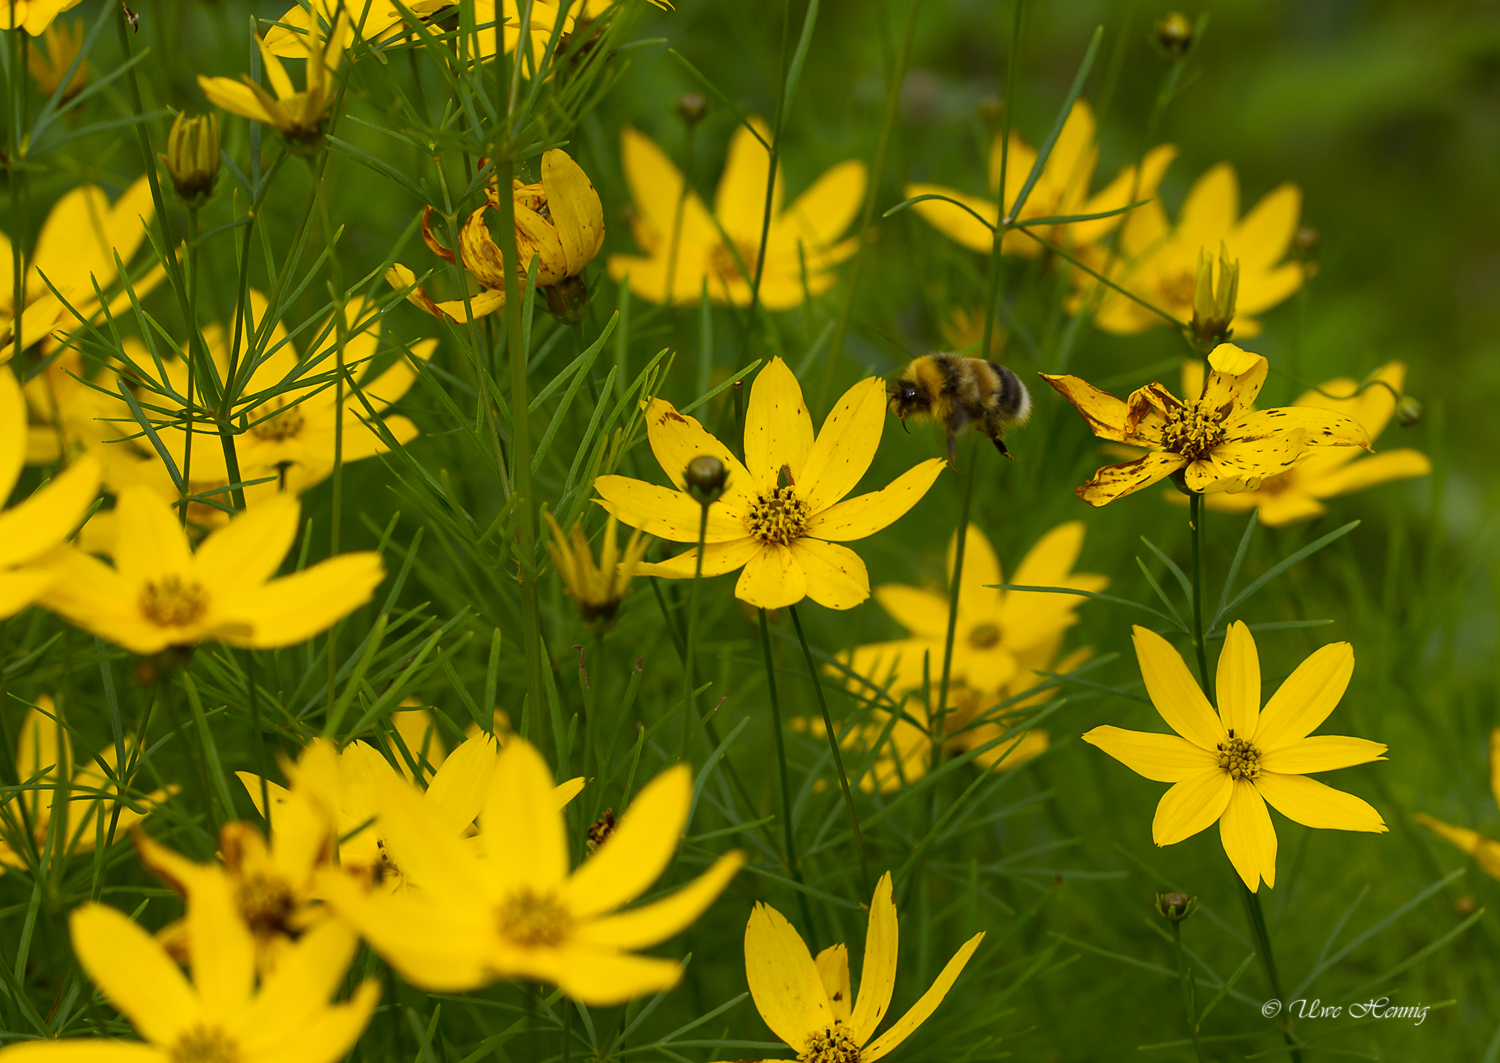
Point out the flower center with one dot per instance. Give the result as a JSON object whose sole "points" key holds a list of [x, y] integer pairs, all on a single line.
{"points": [[778, 517], [534, 920], [286, 422], [983, 636], [266, 903], [173, 603], [722, 264], [1239, 758], [204, 1044], [835, 1044], [1192, 431]]}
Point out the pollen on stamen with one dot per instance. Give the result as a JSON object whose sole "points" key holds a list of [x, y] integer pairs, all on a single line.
{"points": [[778, 518]]}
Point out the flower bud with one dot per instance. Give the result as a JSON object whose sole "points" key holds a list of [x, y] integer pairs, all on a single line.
{"points": [[567, 300], [705, 476], [1213, 306], [691, 108], [192, 157], [1305, 245], [1176, 906], [991, 110], [1174, 34], [1408, 411]]}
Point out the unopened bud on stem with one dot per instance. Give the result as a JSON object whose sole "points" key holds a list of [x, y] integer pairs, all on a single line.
{"points": [[1174, 34], [705, 476], [1213, 306], [192, 157], [691, 108], [1176, 906]]}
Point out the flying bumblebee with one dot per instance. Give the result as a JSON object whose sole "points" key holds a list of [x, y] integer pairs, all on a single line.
{"points": [[960, 393]]}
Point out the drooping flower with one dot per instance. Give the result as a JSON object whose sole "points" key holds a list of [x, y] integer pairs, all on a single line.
{"points": [[33, 16], [91, 793], [810, 1004], [1226, 766], [506, 904], [48, 69], [686, 248], [1062, 190], [298, 116], [598, 589], [780, 517], [221, 1014], [161, 593], [1218, 442], [559, 221], [1299, 493], [1158, 261], [1482, 849]]}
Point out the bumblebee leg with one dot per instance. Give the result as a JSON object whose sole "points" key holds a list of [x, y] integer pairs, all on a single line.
{"points": [[952, 459]]}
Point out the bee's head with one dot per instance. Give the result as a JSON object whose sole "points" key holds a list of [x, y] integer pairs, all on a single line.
{"points": [[903, 398]]}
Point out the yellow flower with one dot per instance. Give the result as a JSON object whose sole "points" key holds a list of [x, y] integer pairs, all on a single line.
{"points": [[1484, 850], [558, 220], [1062, 190], [780, 517], [1158, 262], [598, 590], [506, 905], [1227, 766], [686, 250], [161, 593], [29, 529], [810, 1004], [1298, 493], [33, 16], [222, 1014], [1218, 442], [297, 116], [48, 69], [75, 250], [963, 333], [372, 20], [26, 823]]}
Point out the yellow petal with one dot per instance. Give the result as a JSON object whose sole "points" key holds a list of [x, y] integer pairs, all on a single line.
{"points": [[221, 950], [877, 976], [833, 968], [1368, 472], [978, 601], [1159, 757], [82, 1050], [1495, 764], [778, 428], [328, 1036], [524, 837], [819, 216], [12, 429], [1262, 237], [638, 850], [292, 609], [1321, 753], [294, 992], [237, 98], [1234, 380], [954, 222], [772, 579], [740, 201], [427, 848], [1322, 427], [653, 923], [1191, 806], [1174, 691], [149, 542], [1117, 481], [248, 550], [926, 1004], [1105, 414], [656, 187], [1248, 837], [718, 558], [667, 514], [864, 515], [134, 972], [1239, 463], [1238, 682], [1306, 698], [1312, 804], [459, 787], [1279, 510], [784, 981], [676, 439], [575, 208], [1470, 841], [923, 613], [845, 445], [836, 575], [602, 979]]}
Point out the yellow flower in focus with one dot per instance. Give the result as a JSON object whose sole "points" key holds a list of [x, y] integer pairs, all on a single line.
{"points": [[1062, 190], [221, 1015], [1218, 442], [161, 593], [63, 41], [44, 759], [1158, 261], [297, 116], [780, 517], [1226, 766], [505, 905], [1298, 493], [33, 16], [559, 220], [687, 248], [810, 1004], [1482, 849], [598, 589]]}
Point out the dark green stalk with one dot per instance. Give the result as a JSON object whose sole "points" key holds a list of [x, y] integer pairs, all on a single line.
{"points": [[793, 868], [992, 296], [689, 655], [1188, 1002], [775, 160], [1195, 522], [341, 328], [191, 253], [955, 580]]}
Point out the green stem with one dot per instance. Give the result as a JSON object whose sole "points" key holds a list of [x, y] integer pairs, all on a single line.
{"points": [[190, 252], [774, 162], [689, 655], [258, 740], [792, 866], [1257, 920], [340, 329], [1195, 522], [1188, 1003], [955, 581], [833, 746]]}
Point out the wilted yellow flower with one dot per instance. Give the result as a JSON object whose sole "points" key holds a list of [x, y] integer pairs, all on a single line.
{"points": [[63, 41], [1158, 262], [44, 761], [780, 517], [222, 1014], [1218, 442], [559, 220], [192, 157], [1482, 849], [1225, 766], [507, 906], [685, 249], [598, 589], [33, 16], [297, 116], [1062, 190], [161, 593], [810, 1003]]}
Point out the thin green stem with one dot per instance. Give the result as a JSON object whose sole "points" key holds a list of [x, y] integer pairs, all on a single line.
{"points": [[190, 252], [774, 163], [1195, 522], [992, 295], [258, 740], [689, 655], [792, 867], [833, 746], [955, 582], [1257, 920], [682, 197], [341, 330], [1189, 1004]]}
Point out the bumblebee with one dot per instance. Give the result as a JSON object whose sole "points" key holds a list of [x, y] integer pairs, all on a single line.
{"points": [[961, 392]]}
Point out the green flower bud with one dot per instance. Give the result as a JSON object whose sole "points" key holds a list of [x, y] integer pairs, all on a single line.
{"points": [[1174, 34], [1176, 906], [1408, 411], [691, 108], [1213, 306], [192, 157], [705, 476]]}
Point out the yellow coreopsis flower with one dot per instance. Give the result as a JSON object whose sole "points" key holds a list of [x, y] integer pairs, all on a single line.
{"points": [[687, 248], [506, 905], [30, 529], [161, 593], [1158, 261], [780, 517], [598, 589], [1218, 442], [1062, 190], [1226, 766], [559, 221], [48, 69], [33, 16], [1482, 849], [44, 757], [221, 1014], [810, 1003], [297, 116], [1299, 493]]}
